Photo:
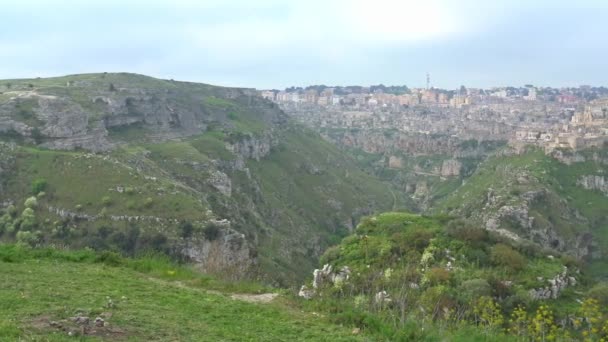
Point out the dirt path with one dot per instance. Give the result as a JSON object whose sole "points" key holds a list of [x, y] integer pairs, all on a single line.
{"points": [[259, 298], [251, 298]]}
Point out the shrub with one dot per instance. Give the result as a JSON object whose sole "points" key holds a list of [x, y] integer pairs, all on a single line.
{"points": [[471, 289], [12, 211], [211, 231], [185, 229], [31, 202], [504, 255], [416, 238], [129, 190], [38, 185], [464, 231], [148, 202], [28, 219], [330, 255], [28, 238], [106, 201], [599, 292], [437, 275]]}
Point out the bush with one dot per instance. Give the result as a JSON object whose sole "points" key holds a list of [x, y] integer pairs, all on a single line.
{"points": [[185, 229], [38, 185], [211, 231], [148, 202], [599, 292], [31, 202], [28, 238], [504, 255], [464, 231], [106, 201], [474, 288], [330, 255], [28, 219], [438, 275], [109, 258]]}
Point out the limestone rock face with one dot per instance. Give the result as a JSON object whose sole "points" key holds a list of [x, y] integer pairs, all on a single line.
{"points": [[252, 147], [62, 118], [554, 287], [82, 114], [221, 182], [394, 162], [592, 182], [451, 167], [228, 253], [324, 277], [496, 216]]}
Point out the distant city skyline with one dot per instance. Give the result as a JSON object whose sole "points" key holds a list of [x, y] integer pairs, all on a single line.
{"points": [[274, 44]]}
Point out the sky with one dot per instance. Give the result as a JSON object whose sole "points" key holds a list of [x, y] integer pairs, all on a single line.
{"points": [[277, 44]]}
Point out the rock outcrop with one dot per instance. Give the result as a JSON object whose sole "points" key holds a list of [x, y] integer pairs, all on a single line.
{"points": [[555, 286], [593, 182], [324, 277], [228, 252], [451, 167]]}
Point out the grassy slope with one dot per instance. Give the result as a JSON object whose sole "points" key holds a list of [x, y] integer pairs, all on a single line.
{"points": [[560, 180], [163, 302], [386, 254], [291, 217]]}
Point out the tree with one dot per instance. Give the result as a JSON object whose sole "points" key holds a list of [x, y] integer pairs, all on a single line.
{"points": [[504, 255], [38, 185]]}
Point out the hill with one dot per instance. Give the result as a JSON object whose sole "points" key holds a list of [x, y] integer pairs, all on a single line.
{"points": [[217, 176], [55, 295], [408, 277], [556, 201]]}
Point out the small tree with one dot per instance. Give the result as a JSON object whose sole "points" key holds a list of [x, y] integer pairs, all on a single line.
{"points": [[38, 185], [31, 202], [504, 255]]}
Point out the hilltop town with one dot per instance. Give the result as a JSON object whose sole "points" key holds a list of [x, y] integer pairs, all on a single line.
{"points": [[552, 118]]}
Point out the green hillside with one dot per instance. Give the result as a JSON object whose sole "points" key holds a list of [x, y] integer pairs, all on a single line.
{"points": [[540, 198], [127, 162], [421, 278], [140, 299]]}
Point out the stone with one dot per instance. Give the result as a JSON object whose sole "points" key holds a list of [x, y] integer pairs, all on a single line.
{"points": [[81, 320], [99, 322], [306, 292], [382, 297]]}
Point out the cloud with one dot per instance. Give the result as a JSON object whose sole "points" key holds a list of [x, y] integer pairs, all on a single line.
{"points": [[275, 43]]}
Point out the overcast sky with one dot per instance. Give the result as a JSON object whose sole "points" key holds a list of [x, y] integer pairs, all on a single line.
{"points": [[276, 44]]}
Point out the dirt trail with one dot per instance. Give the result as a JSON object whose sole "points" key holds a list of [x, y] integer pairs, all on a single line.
{"points": [[251, 298]]}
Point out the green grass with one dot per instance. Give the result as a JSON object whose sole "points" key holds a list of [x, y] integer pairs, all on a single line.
{"points": [[153, 300]]}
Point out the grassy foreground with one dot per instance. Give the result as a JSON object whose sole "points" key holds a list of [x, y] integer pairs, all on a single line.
{"points": [[140, 299]]}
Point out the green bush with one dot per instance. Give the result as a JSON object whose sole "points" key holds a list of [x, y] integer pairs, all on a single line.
{"points": [[106, 201], [211, 231], [600, 293], [438, 275], [31, 202], [504, 255], [38, 185], [28, 238], [185, 229], [28, 219], [471, 289]]}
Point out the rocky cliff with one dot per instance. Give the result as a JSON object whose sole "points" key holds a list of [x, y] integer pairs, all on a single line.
{"points": [[152, 162]]}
